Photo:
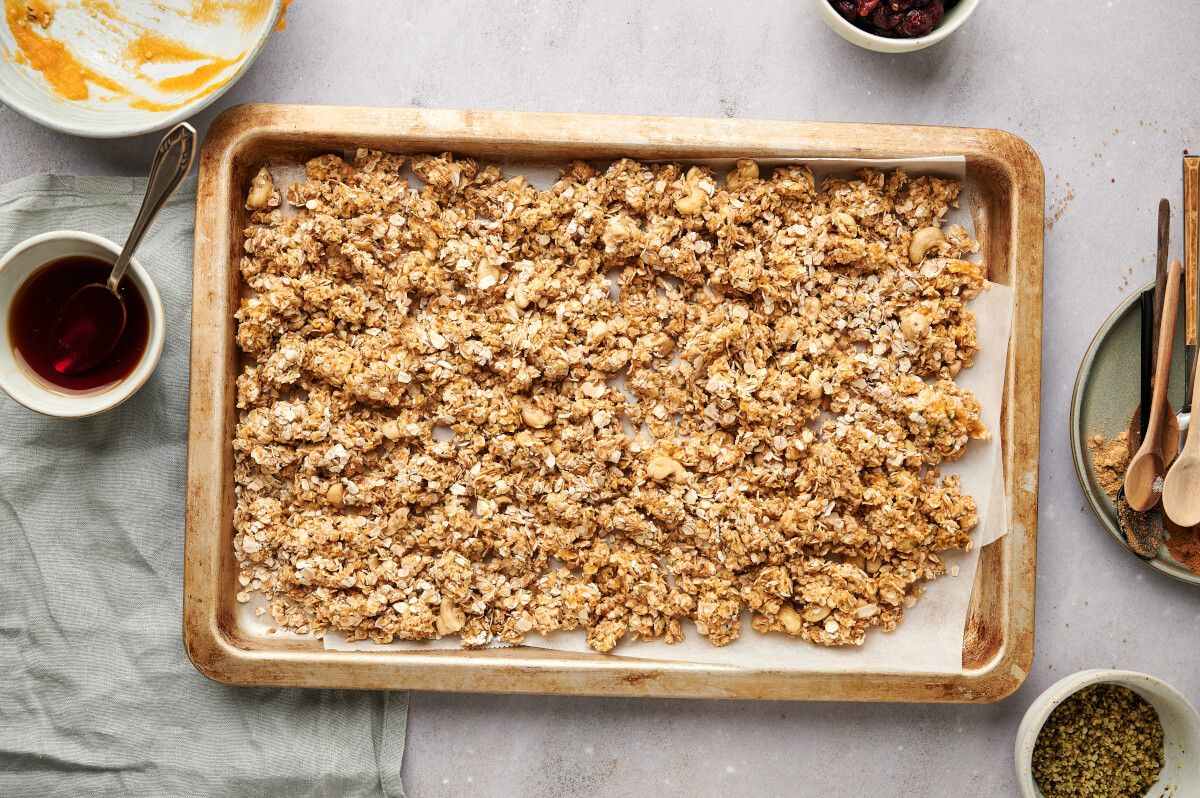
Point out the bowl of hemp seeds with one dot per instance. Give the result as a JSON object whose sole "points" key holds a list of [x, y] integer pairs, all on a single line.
{"points": [[1109, 734]]}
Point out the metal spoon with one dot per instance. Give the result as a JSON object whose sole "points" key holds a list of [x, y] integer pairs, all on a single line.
{"points": [[93, 318], [1181, 490], [1143, 479]]}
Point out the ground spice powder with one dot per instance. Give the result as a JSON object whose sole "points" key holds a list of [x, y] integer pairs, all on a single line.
{"points": [[1105, 741], [1184, 546], [1110, 459]]}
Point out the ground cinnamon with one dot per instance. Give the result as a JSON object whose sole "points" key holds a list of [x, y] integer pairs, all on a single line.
{"points": [[1184, 546]]}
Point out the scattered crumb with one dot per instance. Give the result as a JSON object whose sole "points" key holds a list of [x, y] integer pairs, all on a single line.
{"points": [[1057, 207]]}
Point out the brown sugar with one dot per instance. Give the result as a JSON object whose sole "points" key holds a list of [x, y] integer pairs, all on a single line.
{"points": [[1109, 460]]}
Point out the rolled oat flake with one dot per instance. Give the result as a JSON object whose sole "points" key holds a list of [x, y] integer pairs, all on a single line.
{"points": [[1105, 741]]}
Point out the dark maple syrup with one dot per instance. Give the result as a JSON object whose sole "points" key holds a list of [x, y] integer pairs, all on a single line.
{"points": [[36, 305]]}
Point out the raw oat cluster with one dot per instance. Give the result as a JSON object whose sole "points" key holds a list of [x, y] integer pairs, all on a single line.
{"points": [[639, 398]]}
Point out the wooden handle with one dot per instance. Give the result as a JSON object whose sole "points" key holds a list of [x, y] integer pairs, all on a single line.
{"points": [[1160, 272], [1149, 334], [1166, 344], [1191, 243], [1192, 445]]}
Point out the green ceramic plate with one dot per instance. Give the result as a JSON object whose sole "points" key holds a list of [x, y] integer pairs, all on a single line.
{"points": [[1106, 394]]}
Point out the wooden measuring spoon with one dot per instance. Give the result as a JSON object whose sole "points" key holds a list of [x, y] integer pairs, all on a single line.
{"points": [[1144, 478], [1181, 490]]}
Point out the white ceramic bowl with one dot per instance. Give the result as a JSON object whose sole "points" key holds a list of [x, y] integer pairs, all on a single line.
{"points": [[1180, 722], [955, 17], [171, 57], [22, 261]]}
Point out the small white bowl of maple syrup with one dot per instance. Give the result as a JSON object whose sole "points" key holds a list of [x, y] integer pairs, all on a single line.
{"points": [[36, 278]]}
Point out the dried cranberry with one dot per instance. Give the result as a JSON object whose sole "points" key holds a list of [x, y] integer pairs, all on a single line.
{"points": [[894, 18], [847, 9], [920, 21], [885, 18], [939, 12]]}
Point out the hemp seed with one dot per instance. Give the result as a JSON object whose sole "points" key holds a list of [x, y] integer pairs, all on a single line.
{"points": [[1105, 741]]}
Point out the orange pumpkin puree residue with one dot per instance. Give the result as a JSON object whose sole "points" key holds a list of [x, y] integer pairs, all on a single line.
{"points": [[69, 78], [152, 48], [66, 75], [211, 12], [282, 23], [106, 14], [199, 78], [39, 12], [148, 105]]}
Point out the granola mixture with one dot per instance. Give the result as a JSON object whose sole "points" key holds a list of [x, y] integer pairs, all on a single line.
{"points": [[638, 398]]}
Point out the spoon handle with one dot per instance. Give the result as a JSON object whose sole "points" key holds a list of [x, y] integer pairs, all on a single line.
{"points": [[1160, 271], [172, 162], [1166, 343], [1191, 446]]}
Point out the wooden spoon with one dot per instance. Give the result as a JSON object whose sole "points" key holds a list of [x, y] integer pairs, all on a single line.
{"points": [[1144, 478], [1170, 442], [1151, 324], [1170, 431], [1181, 490]]}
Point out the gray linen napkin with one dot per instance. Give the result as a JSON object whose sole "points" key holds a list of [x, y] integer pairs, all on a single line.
{"points": [[96, 693]]}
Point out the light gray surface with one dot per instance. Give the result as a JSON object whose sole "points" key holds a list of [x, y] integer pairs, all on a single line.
{"points": [[97, 696], [1063, 75]]}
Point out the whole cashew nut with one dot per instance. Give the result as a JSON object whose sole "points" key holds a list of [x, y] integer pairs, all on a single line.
{"points": [[816, 612], [535, 417], [845, 224], [662, 468], [261, 190], [746, 171], [693, 202], [924, 240], [790, 619]]}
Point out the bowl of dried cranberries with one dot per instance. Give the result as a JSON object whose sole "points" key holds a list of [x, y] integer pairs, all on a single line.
{"points": [[894, 26]]}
